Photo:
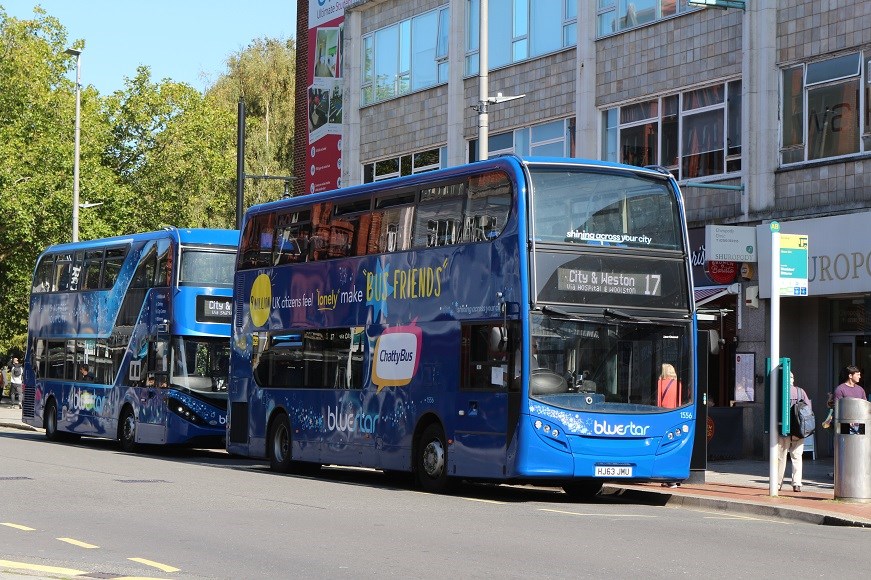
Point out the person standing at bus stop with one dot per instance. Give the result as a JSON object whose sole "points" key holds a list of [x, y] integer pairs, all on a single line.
{"points": [[16, 379], [792, 445], [850, 387]]}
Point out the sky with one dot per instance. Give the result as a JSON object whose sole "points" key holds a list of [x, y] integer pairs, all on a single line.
{"points": [[183, 40]]}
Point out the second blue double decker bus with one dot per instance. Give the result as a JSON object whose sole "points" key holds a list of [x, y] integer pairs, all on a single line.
{"points": [[516, 320], [128, 338]]}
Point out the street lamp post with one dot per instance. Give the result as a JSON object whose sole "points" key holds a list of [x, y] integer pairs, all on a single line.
{"points": [[484, 99], [78, 55]]}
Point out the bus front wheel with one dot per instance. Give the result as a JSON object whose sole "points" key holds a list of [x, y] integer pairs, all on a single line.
{"points": [[127, 430], [279, 441], [51, 432], [431, 460]]}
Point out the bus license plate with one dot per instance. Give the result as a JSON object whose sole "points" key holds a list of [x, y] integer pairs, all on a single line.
{"points": [[613, 471]]}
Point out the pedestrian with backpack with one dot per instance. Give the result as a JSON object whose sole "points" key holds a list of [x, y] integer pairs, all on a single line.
{"points": [[16, 378], [793, 444]]}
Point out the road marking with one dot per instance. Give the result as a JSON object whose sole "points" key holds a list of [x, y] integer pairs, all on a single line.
{"points": [[77, 543], [596, 515], [40, 568], [722, 516], [18, 527], [483, 500], [158, 565]]}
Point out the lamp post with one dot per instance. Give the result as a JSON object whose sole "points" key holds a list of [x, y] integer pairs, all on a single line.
{"points": [[78, 55], [484, 99]]}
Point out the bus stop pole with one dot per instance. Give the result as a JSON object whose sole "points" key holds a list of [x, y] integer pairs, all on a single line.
{"points": [[774, 384]]}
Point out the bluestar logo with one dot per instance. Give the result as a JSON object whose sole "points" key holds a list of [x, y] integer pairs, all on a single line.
{"points": [[86, 401], [603, 428], [351, 422]]}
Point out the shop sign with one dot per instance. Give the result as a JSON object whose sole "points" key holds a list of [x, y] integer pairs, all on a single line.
{"points": [[721, 272]]}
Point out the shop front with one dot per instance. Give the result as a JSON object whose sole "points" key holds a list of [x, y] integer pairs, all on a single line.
{"points": [[831, 327]]}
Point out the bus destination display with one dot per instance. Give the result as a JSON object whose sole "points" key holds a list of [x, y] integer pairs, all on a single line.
{"points": [[604, 279], [214, 309], [609, 282]]}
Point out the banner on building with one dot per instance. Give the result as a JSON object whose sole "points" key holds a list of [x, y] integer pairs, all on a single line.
{"points": [[324, 96]]}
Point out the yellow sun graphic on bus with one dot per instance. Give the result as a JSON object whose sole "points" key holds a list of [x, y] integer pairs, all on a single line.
{"points": [[261, 300]]}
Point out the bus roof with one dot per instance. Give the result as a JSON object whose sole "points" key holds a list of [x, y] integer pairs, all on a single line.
{"points": [[508, 162], [197, 236]]}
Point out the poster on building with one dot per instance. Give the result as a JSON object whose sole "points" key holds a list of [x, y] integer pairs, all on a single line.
{"points": [[745, 376], [324, 95]]}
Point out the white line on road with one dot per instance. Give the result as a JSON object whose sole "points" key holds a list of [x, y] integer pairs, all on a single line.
{"points": [[483, 500], [596, 515]]}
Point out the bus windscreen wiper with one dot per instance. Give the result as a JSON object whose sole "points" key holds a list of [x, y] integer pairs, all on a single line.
{"points": [[620, 315], [560, 312]]}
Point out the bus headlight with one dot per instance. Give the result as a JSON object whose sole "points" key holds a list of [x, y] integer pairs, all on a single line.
{"points": [[179, 408]]}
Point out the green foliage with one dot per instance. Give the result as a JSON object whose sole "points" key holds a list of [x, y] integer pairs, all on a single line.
{"points": [[263, 76], [152, 154]]}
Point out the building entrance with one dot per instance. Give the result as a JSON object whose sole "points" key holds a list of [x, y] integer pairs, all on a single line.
{"points": [[849, 350]]}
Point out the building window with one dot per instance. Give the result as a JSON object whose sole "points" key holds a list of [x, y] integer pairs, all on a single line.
{"points": [[618, 15], [405, 165], [519, 30], [405, 57], [695, 133], [551, 139], [822, 113]]}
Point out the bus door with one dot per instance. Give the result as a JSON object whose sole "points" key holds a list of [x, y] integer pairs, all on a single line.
{"points": [[152, 420], [481, 412]]}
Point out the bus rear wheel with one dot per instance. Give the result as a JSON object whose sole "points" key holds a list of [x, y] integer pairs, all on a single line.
{"points": [[431, 460], [279, 445], [127, 430]]}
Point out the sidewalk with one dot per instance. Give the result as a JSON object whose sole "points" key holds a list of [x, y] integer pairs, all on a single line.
{"points": [[10, 416], [738, 487]]}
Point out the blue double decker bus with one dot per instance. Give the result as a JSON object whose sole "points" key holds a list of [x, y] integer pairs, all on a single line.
{"points": [[511, 320], [128, 338]]}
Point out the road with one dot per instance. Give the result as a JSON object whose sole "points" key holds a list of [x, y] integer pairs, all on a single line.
{"points": [[202, 514]]}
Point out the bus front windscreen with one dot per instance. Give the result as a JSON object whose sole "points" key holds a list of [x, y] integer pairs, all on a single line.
{"points": [[200, 364], [609, 366], [600, 207], [207, 267]]}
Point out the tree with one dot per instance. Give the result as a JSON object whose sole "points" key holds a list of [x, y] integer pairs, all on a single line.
{"points": [[174, 149], [263, 76], [37, 117], [152, 154]]}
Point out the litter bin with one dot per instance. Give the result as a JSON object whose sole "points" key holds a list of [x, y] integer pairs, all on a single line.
{"points": [[852, 428]]}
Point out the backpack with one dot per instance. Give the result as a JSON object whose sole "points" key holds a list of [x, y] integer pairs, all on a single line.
{"points": [[16, 371], [802, 422]]}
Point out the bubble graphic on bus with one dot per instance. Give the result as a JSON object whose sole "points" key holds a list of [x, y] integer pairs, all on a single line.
{"points": [[397, 355]]}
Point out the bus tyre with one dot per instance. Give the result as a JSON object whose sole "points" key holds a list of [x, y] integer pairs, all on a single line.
{"points": [[127, 430], [583, 490], [50, 422], [279, 445], [431, 460]]}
